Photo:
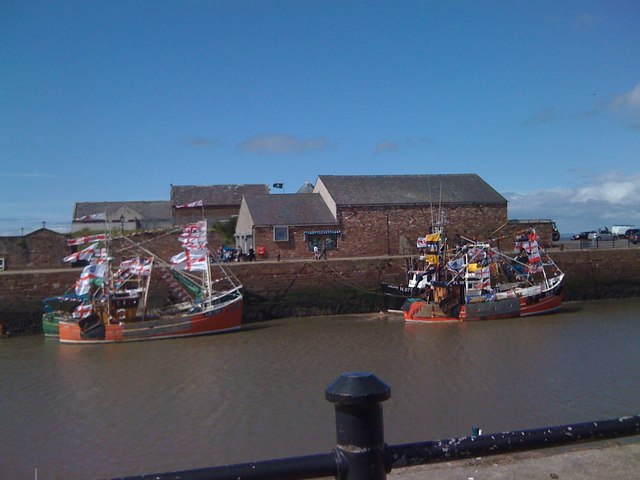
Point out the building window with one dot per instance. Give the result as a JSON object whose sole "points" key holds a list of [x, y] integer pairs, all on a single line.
{"points": [[323, 239], [328, 241], [281, 234]]}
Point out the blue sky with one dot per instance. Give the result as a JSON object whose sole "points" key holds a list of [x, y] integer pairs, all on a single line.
{"points": [[116, 100]]}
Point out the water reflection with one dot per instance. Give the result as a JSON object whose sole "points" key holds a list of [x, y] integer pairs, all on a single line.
{"points": [[115, 410]]}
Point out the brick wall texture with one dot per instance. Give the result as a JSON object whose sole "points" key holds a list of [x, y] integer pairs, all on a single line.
{"points": [[310, 287]]}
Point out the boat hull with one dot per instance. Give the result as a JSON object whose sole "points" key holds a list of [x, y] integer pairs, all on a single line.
{"points": [[394, 296], [216, 320], [424, 312], [50, 323]]}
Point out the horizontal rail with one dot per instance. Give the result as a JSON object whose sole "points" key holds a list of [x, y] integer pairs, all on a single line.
{"points": [[294, 468], [361, 453], [421, 453]]}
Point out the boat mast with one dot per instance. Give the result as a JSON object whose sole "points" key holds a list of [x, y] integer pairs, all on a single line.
{"points": [[208, 270], [146, 290]]}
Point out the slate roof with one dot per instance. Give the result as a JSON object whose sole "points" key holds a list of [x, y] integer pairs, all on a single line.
{"points": [[306, 188], [214, 194], [289, 209], [410, 189], [150, 210]]}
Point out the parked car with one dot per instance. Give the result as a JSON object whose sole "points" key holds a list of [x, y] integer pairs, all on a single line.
{"points": [[634, 238], [631, 231], [602, 234], [582, 235]]}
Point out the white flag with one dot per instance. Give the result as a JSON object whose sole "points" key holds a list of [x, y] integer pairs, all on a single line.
{"points": [[90, 273], [92, 217], [85, 254], [197, 203], [190, 260]]}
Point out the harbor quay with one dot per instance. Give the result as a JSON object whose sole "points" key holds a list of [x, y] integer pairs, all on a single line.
{"points": [[611, 459], [308, 287]]}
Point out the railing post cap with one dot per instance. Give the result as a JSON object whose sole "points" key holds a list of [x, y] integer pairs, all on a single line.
{"points": [[357, 388]]}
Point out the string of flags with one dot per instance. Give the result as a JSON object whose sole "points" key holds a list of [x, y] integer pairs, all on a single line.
{"points": [[194, 242]]}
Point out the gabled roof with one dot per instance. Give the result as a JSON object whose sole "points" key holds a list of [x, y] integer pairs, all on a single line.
{"points": [[410, 189], [306, 188], [214, 194], [152, 210], [289, 209], [42, 230]]}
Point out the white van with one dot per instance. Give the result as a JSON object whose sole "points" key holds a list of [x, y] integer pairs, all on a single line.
{"points": [[619, 231]]}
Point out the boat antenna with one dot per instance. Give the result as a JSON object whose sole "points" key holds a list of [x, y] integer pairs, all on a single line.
{"points": [[440, 218], [430, 202]]}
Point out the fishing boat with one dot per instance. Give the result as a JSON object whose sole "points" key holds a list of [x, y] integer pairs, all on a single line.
{"points": [[125, 285], [58, 308], [214, 305], [475, 281], [420, 272]]}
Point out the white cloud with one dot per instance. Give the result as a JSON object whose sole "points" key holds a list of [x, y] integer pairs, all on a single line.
{"points": [[584, 21], [627, 107], [281, 143], [199, 141], [547, 115], [386, 147], [629, 101], [607, 200]]}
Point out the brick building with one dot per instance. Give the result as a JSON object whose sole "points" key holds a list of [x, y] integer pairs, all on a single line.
{"points": [[218, 203], [371, 215], [125, 216], [40, 249], [287, 225]]}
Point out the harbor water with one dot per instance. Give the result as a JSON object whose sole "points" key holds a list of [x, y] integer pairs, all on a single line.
{"points": [[101, 411]]}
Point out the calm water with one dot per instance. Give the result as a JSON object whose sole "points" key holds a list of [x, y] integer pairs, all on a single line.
{"points": [[115, 410]]}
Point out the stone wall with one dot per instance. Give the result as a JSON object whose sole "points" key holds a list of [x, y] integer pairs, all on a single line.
{"points": [[40, 249], [338, 286]]}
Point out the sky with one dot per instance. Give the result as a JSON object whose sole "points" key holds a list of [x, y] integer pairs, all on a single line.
{"points": [[118, 100]]}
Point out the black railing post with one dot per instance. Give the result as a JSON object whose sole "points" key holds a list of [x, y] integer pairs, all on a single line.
{"points": [[359, 426]]}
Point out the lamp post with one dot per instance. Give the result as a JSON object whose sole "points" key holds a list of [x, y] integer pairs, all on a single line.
{"points": [[122, 224]]}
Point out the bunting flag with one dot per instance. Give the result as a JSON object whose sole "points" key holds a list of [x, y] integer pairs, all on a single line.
{"points": [[195, 255], [533, 252], [485, 276], [91, 218], [85, 254], [194, 236], [82, 311], [130, 268], [91, 275], [88, 239], [140, 267], [101, 256], [197, 203], [190, 260]]}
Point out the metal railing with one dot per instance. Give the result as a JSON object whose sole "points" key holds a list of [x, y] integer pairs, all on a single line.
{"points": [[361, 453]]}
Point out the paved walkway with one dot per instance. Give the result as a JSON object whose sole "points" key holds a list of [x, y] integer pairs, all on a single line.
{"points": [[610, 460]]}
